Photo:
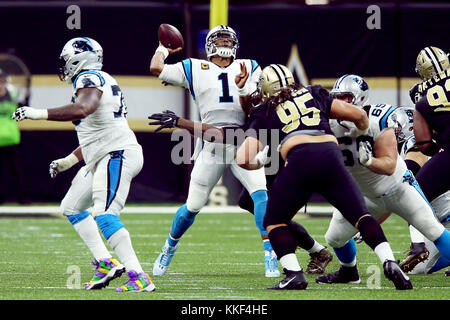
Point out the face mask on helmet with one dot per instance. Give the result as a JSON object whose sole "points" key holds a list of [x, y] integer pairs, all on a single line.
{"points": [[79, 54], [430, 62], [273, 79], [221, 41], [352, 89], [402, 121]]}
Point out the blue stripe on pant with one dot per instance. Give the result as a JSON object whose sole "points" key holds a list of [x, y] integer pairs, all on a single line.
{"points": [[114, 173]]}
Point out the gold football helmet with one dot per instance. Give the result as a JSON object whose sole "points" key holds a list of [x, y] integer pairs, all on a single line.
{"points": [[274, 78], [430, 62]]}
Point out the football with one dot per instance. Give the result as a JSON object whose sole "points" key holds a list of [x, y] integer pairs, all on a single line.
{"points": [[170, 36]]}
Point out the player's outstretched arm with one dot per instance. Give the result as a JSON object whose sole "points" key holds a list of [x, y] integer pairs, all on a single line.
{"points": [[63, 164], [251, 155], [168, 119], [160, 55], [423, 135], [87, 102], [342, 110]]}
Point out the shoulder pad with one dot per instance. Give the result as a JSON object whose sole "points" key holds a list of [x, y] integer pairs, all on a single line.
{"points": [[88, 79]]}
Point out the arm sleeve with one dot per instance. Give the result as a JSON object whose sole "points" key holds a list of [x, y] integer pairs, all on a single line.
{"points": [[174, 74], [322, 96]]}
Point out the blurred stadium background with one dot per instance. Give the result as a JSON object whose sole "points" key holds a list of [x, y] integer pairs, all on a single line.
{"points": [[318, 40]]}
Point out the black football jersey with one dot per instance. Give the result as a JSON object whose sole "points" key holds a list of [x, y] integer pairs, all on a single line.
{"points": [[307, 111], [434, 106]]}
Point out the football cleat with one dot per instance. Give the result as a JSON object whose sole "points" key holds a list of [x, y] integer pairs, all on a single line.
{"points": [[271, 264], [163, 261], [393, 272], [319, 261], [105, 271], [295, 280], [417, 253], [138, 282], [343, 275], [447, 273]]}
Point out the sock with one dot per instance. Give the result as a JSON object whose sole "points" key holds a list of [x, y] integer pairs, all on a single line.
{"points": [[282, 241], [441, 263], [416, 236], [371, 231], [347, 253], [384, 252], [301, 236], [317, 247], [260, 203], [120, 241], [290, 262], [181, 222], [88, 232], [108, 224], [267, 245], [443, 244]]}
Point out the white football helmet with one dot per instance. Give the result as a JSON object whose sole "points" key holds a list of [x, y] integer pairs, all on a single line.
{"points": [[353, 85], [79, 54], [217, 33], [402, 121]]}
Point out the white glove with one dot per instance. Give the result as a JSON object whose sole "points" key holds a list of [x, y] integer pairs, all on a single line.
{"points": [[355, 132], [358, 238], [30, 113], [63, 164], [262, 158], [365, 153]]}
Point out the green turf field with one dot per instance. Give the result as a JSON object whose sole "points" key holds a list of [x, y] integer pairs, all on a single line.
{"points": [[219, 258]]}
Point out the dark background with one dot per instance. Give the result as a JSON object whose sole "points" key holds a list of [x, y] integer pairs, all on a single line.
{"points": [[332, 40]]}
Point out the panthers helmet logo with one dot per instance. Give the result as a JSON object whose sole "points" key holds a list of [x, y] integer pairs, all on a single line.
{"points": [[81, 46]]}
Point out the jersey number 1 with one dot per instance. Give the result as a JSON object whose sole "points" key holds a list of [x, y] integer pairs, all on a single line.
{"points": [[225, 88]]}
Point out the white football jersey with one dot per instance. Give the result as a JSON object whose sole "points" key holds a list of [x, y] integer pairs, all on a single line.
{"points": [[370, 183], [213, 88], [106, 129]]}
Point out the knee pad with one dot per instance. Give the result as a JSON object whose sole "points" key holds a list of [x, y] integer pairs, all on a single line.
{"points": [[197, 197]]}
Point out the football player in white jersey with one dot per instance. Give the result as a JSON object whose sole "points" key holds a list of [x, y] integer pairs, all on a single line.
{"points": [[113, 158], [219, 87], [423, 256], [385, 181]]}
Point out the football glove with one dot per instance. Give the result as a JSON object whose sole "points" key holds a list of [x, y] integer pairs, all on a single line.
{"points": [[166, 119], [63, 164], [365, 153], [414, 93], [261, 157], [358, 238], [23, 113], [355, 132]]}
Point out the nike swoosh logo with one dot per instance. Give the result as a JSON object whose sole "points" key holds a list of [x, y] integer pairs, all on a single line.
{"points": [[282, 285]]}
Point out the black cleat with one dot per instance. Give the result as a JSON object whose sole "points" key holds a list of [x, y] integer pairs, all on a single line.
{"points": [[343, 275], [447, 273], [319, 261], [295, 280], [417, 253], [393, 272]]}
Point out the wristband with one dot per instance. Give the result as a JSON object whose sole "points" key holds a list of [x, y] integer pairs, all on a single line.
{"points": [[243, 91], [71, 160], [163, 50]]}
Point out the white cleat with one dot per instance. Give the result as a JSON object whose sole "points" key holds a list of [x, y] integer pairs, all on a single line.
{"points": [[163, 261], [271, 264]]}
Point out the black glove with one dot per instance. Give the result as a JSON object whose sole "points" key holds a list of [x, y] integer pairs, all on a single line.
{"points": [[166, 119], [414, 93]]}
